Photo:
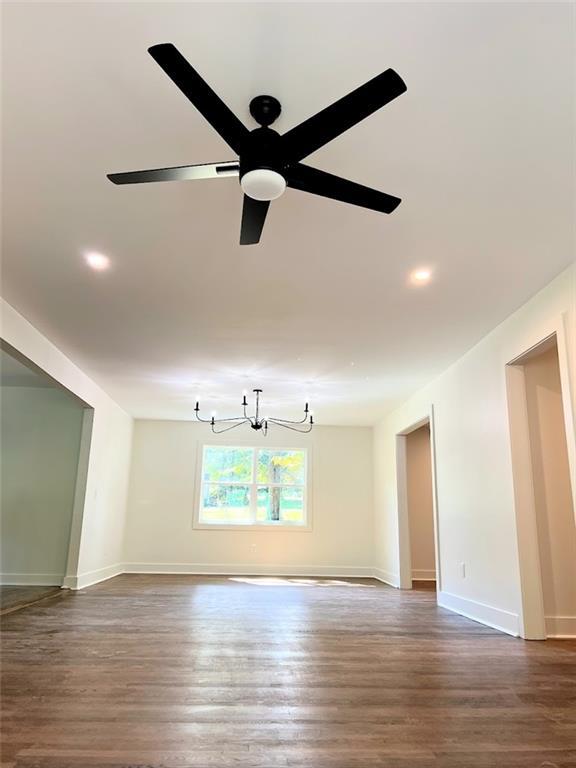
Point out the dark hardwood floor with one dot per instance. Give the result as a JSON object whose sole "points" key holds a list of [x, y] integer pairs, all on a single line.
{"points": [[194, 672], [12, 598]]}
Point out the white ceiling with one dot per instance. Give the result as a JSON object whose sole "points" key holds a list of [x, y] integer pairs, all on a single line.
{"points": [[479, 148]]}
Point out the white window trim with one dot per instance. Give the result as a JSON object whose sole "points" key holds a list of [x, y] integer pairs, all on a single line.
{"points": [[295, 527]]}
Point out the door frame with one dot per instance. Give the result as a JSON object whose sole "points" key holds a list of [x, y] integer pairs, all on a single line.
{"points": [[404, 553], [531, 613]]}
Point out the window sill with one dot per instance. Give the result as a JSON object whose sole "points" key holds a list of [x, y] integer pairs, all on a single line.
{"points": [[250, 527]]}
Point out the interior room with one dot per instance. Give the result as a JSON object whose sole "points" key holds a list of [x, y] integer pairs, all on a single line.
{"points": [[43, 428], [420, 505], [288, 385]]}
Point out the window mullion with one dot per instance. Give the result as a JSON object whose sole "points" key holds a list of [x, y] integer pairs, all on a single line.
{"points": [[254, 487]]}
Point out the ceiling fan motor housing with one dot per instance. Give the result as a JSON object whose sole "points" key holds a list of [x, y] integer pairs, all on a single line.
{"points": [[262, 165], [261, 149]]}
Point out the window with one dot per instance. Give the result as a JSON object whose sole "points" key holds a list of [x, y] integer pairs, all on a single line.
{"points": [[253, 486]]}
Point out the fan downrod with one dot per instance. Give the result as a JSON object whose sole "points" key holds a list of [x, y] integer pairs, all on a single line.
{"points": [[265, 109]]}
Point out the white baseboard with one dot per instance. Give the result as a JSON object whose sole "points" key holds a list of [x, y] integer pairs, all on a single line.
{"points": [[217, 569], [31, 579], [560, 626], [419, 574], [92, 577], [392, 579], [484, 614]]}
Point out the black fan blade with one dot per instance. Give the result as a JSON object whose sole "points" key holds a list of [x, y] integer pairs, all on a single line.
{"points": [[195, 88], [343, 114], [180, 173], [308, 179], [253, 218]]}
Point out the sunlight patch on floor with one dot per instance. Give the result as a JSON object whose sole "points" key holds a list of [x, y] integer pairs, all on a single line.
{"points": [[278, 581]]}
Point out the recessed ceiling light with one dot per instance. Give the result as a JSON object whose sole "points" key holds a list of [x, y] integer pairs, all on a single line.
{"points": [[420, 276], [97, 261]]}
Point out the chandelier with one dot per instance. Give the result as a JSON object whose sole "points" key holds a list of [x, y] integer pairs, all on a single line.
{"points": [[256, 421]]}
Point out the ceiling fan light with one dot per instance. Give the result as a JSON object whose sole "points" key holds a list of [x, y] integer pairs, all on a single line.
{"points": [[263, 184]]}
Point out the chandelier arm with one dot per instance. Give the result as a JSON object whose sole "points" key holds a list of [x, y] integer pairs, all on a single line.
{"points": [[216, 421], [235, 418], [250, 419], [294, 429], [212, 419], [287, 421], [226, 429]]}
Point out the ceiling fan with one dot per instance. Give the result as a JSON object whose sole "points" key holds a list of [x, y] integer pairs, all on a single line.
{"points": [[269, 162]]}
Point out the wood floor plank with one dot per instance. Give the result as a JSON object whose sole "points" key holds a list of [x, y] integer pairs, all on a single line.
{"points": [[13, 598], [195, 672]]}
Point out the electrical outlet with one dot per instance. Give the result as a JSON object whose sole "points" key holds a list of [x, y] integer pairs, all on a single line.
{"points": [[462, 570], [252, 547]]}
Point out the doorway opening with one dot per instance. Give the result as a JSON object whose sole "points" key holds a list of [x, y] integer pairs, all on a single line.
{"points": [[544, 494], [45, 436], [417, 506]]}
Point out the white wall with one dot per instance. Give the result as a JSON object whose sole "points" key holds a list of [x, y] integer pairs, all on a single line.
{"points": [[476, 522], [100, 529], [40, 436], [551, 482], [160, 536], [419, 498]]}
